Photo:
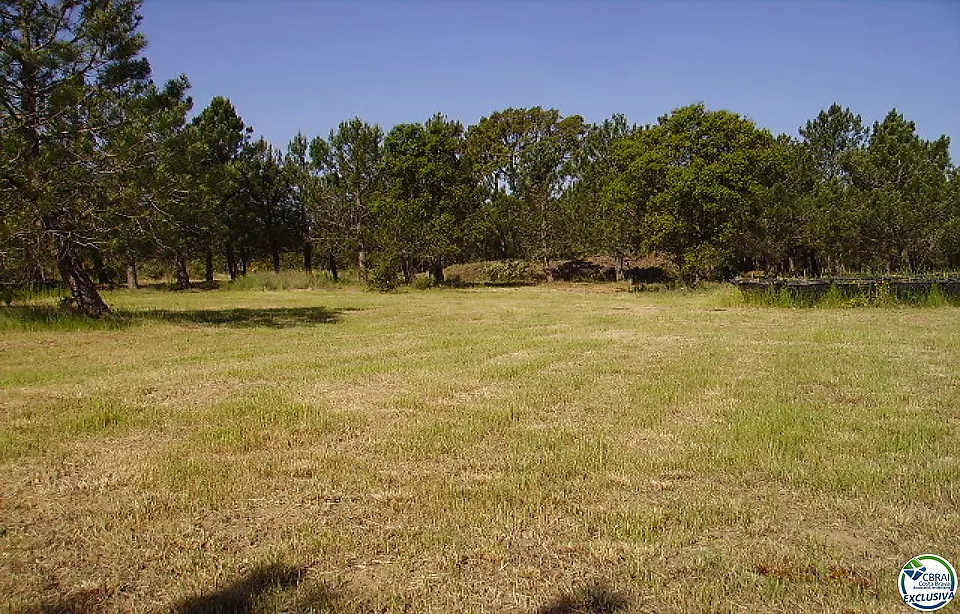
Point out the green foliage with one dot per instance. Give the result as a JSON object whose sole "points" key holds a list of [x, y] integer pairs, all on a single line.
{"points": [[285, 280], [512, 272], [833, 141], [530, 155], [431, 191], [98, 165], [424, 282], [699, 176], [385, 275], [350, 170], [71, 74], [833, 298], [865, 294], [57, 318], [936, 297]]}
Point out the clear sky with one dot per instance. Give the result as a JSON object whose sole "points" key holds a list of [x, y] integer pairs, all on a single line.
{"points": [[306, 65]]}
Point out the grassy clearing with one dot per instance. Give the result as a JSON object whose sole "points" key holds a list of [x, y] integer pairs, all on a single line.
{"points": [[557, 449]]}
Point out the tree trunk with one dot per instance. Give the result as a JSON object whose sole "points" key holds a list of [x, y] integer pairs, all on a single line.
{"points": [[132, 281], [362, 264], [333, 267], [618, 266], [183, 275], [244, 260], [231, 256], [308, 257], [103, 276], [409, 274], [209, 266], [436, 270], [361, 248], [544, 241], [275, 257], [84, 291]]}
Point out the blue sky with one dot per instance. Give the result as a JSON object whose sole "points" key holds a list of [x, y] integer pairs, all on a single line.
{"points": [[307, 65]]}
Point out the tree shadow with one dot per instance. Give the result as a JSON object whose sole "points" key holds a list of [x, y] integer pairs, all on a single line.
{"points": [[241, 317], [594, 598], [267, 588], [83, 602], [50, 317], [243, 594], [166, 286], [58, 317]]}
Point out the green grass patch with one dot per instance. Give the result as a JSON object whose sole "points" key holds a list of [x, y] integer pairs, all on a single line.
{"points": [[56, 318], [863, 293], [504, 449], [284, 280]]}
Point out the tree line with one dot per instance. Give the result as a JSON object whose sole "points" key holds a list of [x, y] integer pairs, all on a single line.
{"points": [[102, 169]]}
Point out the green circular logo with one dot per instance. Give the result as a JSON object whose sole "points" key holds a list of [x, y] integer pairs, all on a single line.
{"points": [[927, 582]]}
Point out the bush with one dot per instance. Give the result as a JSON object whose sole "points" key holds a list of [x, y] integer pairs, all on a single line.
{"points": [[423, 282], [936, 297], [385, 275], [512, 272], [833, 298]]}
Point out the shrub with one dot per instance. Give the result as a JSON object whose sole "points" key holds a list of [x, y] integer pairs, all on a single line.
{"points": [[385, 275], [423, 282], [833, 298], [511, 272], [936, 297]]}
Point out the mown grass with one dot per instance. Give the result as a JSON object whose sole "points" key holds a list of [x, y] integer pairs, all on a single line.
{"points": [[554, 449]]}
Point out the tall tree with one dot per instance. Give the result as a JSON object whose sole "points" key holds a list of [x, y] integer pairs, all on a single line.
{"points": [[155, 184], [302, 185], [266, 196], [833, 140], [217, 217], [907, 177], [530, 154], [351, 160], [68, 69], [832, 146], [431, 192], [595, 221], [699, 175]]}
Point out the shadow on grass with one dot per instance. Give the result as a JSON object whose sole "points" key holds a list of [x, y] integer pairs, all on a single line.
{"points": [[596, 598], [456, 284], [83, 602], [198, 286], [241, 317], [53, 317], [269, 588], [245, 594], [35, 317]]}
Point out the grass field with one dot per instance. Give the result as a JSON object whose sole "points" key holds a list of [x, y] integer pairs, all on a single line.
{"points": [[551, 449]]}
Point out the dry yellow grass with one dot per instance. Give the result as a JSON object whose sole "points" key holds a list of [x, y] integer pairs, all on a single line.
{"points": [[554, 449]]}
